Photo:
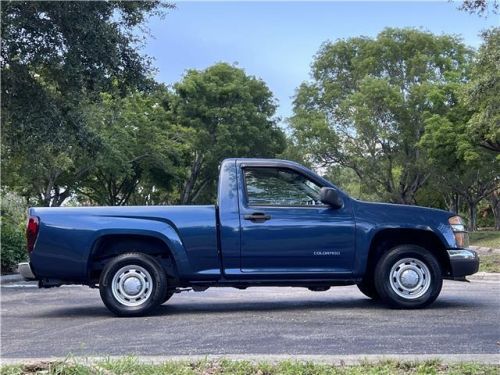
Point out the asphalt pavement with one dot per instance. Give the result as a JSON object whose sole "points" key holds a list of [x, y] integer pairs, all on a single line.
{"points": [[72, 320]]}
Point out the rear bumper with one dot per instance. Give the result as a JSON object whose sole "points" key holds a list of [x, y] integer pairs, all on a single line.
{"points": [[25, 270], [463, 262]]}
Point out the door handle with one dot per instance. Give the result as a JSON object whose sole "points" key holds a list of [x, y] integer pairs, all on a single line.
{"points": [[257, 217]]}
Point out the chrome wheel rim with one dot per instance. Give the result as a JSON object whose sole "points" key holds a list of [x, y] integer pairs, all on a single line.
{"points": [[410, 278], [132, 285]]}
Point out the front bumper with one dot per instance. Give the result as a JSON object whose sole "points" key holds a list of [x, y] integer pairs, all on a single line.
{"points": [[463, 262], [25, 270]]}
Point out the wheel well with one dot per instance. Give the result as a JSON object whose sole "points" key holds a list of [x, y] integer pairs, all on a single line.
{"points": [[389, 238], [110, 246]]}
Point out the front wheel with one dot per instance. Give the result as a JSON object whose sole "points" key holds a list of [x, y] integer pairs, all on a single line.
{"points": [[367, 287], [409, 277], [132, 284]]}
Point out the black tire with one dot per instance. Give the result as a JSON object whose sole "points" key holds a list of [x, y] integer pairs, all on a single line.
{"points": [[424, 274], [153, 288], [170, 293], [367, 287]]}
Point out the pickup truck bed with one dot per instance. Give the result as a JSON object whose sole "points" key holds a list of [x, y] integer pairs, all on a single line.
{"points": [[189, 232]]}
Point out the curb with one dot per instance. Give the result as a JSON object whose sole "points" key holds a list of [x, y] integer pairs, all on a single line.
{"points": [[5, 279], [339, 360], [485, 250], [484, 276]]}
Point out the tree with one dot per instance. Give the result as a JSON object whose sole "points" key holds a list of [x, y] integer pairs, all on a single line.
{"points": [[140, 146], [461, 169], [465, 172], [55, 59], [43, 159], [230, 114], [480, 7], [482, 93], [76, 45], [366, 106], [348, 180]]}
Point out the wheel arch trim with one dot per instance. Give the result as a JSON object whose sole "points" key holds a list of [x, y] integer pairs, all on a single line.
{"points": [[423, 236], [166, 235]]}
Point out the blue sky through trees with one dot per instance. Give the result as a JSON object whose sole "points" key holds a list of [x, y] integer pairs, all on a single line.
{"points": [[276, 41]]}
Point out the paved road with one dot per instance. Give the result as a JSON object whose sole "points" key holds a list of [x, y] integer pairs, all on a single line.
{"points": [[55, 322]]}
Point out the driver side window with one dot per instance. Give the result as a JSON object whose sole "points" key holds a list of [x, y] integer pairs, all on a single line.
{"points": [[267, 186]]}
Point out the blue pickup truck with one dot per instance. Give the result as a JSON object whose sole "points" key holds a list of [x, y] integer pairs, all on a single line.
{"points": [[275, 223]]}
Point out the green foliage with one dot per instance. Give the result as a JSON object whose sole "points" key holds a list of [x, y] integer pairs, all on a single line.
{"points": [[13, 221], [230, 114], [482, 93], [56, 58], [46, 146], [481, 7], [294, 153], [408, 116], [348, 180], [79, 46], [460, 167], [142, 150], [367, 104]]}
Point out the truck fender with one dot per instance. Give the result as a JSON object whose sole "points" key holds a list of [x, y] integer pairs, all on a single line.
{"points": [[161, 229]]}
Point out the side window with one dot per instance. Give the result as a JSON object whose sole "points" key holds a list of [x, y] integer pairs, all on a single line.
{"points": [[279, 187]]}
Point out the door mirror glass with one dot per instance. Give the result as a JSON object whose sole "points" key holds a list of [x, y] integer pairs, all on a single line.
{"points": [[330, 197]]}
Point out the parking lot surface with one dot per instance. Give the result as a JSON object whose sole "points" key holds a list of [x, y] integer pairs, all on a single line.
{"points": [[72, 320]]}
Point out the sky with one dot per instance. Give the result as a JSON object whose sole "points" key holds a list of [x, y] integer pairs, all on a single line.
{"points": [[276, 41]]}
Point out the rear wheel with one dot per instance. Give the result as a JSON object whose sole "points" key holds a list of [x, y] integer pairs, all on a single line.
{"points": [[408, 276], [132, 284], [170, 293]]}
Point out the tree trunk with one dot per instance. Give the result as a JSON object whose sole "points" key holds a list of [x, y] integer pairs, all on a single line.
{"points": [[472, 215], [494, 199], [200, 188], [410, 185], [59, 198], [454, 203], [52, 196], [187, 191]]}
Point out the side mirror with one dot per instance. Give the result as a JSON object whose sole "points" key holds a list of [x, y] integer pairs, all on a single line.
{"points": [[330, 197]]}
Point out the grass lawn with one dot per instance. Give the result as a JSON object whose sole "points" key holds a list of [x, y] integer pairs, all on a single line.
{"points": [[491, 239], [489, 263], [223, 367], [485, 239]]}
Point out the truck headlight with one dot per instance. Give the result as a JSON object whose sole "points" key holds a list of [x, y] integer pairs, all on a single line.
{"points": [[461, 235]]}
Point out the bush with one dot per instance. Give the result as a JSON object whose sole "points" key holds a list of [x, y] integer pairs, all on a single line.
{"points": [[13, 247], [13, 221]]}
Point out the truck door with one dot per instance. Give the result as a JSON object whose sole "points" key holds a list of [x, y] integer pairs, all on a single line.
{"points": [[285, 229]]}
